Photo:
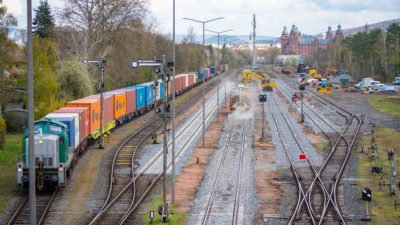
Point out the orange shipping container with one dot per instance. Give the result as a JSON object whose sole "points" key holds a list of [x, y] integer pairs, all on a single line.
{"points": [[94, 111], [119, 103]]}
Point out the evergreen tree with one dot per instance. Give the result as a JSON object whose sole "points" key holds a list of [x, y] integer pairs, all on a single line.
{"points": [[43, 22]]}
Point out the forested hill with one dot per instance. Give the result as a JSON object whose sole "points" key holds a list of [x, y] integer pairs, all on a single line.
{"points": [[380, 25]]}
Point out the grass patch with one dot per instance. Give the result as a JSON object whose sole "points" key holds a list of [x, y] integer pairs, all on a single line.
{"points": [[387, 104], [175, 217], [323, 144], [9, 156], [382, 205]]}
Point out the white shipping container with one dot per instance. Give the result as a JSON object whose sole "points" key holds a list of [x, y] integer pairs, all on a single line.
{"points": [[75, 116]]}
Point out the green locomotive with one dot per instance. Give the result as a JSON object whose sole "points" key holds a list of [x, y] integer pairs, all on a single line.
{"points": [[53, 155]]}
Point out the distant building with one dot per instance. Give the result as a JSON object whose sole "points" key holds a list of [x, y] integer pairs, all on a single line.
{"points": [[297, 43]]}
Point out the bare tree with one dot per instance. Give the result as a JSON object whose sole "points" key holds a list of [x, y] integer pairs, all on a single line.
{"points": [[93, 19]]}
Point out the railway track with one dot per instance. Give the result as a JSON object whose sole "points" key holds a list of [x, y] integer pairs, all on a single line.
{"points": [[335, 161], [43, 203], [217, 186], [126, 152]]}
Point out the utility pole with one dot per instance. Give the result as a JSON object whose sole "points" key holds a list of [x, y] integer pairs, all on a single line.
{"points": [[100, 65], [160, 68], [173, 105], [32, 190], [204, 64], [254, 43], [218, 32]]}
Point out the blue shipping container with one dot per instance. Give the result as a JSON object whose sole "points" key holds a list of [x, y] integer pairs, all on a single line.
{"points": [[140, 95], [70, 122], [161, 87], [149, 92], [213, 70], [202, 73]]}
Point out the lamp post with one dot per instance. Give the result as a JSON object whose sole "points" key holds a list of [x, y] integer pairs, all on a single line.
{"points": [[234, 52], [220, 32], [225, 44], [204, 61], [173, 104]]}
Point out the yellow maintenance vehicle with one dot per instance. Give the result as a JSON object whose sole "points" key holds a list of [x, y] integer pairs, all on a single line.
{"points": [[266, 83], [314, 73], [326, 87], [240, 98]]}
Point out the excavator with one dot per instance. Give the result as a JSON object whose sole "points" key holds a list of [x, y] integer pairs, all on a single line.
{"points": [[266, 84]]}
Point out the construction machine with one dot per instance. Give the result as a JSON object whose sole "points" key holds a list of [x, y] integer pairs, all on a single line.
{"points": [[328, 70], [240, 98], [266, 83], [326, 87]]}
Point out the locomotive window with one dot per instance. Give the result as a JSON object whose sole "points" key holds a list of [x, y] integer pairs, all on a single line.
{"points": [[50, 161], [55, 129], [37, 129]]}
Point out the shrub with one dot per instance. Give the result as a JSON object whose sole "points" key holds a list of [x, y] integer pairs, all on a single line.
{"points": [[3, 129]]}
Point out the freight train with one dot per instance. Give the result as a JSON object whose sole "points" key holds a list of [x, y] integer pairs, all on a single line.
{"points": [[62, 135]]}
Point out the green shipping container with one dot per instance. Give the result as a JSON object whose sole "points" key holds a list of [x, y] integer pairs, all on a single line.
{"points": [[196, 77]]}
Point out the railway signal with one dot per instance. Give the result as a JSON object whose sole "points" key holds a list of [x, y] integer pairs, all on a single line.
{"points": [[100, 65], [302, 157], [161, 71], [302, 88], [262, 98]]}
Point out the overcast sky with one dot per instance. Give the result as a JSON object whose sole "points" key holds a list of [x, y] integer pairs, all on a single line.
{"points": [[310, 16]]}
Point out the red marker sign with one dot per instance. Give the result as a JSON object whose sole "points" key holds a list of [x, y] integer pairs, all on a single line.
{"points": [[302, 157]]}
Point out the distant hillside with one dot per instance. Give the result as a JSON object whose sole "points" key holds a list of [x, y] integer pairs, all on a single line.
{"points": [[213, 39], [380, 25]]}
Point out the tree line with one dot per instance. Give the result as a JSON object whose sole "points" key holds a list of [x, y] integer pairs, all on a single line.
{"points": [[368, 53], [114, 30]]}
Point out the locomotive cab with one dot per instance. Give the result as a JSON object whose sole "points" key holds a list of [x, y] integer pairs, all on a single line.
{"points": [[51, 155]]}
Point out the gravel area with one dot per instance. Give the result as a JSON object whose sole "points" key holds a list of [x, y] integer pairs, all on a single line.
{"points": [[358, 103], [312, 109], [223, 202], [183, 134], [349, 200], [293, 150]]}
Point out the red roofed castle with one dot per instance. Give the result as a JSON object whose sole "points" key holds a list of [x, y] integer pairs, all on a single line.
{"points": [[297, 43]]}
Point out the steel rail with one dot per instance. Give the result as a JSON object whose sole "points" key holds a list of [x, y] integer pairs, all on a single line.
{"points": [[337, 177], [318, 178], [295, 174], [154, 181], [210, 200], [237, 196], [134, 178], [23, 204], [105, 205], [333, 193]]}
